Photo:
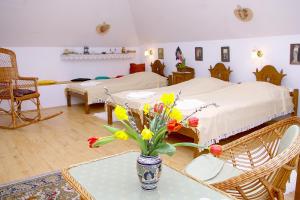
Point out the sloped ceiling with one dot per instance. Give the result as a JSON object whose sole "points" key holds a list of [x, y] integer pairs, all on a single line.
{"points": [[65, 23], [135, 22], [192, 20]]}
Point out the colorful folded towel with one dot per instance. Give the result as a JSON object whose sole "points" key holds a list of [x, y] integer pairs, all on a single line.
{"points": [[46, 82], [102, 77], [80, 79]]}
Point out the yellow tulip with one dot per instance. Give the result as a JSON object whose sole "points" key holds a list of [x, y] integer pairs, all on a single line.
{"points": [[121, 135], [168, 99], [176, 114], [121, 113], [146, 109], [146, 134]]}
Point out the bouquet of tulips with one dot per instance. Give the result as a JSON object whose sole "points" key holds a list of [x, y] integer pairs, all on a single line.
{"points": [[161, 119]]}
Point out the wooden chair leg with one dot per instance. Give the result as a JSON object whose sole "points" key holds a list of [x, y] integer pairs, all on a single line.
{"points": [[69, 103], [297, 189], [86, 104], [109, 110], [87, 108], [19, 107], [13, 114], [38, 108], [278, 194]]}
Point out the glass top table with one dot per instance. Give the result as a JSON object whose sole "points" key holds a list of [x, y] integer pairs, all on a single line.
{"points": [[115, 178]]}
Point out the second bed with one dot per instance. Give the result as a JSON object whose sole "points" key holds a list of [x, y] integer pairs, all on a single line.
{"points": [[240, 106]]}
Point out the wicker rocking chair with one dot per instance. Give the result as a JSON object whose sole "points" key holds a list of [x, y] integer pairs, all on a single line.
{"points": [[256, 166], [14, 90]]}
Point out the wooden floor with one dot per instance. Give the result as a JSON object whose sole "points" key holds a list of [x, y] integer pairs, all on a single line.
{"points": [[60, 142]]}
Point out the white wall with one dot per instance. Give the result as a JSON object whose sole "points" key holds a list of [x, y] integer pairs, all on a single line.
{"points": [[66, 23], [177, 20], [135, 22], [276, 52], [46, 64]]}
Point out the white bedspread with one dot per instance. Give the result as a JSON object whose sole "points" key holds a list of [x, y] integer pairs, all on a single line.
{"points": [[241, 107], [96, 92], [151, 96]]}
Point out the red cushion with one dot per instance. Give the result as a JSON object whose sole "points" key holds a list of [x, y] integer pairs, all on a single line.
{"points": [[119, 76], [136, 68], [22, 92]]}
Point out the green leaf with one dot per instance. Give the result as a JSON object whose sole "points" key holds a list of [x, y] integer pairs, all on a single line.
{"points": [[130, 131], [188, 144], [111, 129], [164, 148], [159, 135], [134, 135], [152, 123], [131, 134], [104, 140], [157, 138]]}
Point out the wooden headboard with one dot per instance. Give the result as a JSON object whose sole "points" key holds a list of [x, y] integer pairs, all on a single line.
{"points": [[219, 71], [158, 67], [269, 74]]}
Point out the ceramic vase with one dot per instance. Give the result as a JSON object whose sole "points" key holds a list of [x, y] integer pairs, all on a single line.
{"points": [[148, 171]]}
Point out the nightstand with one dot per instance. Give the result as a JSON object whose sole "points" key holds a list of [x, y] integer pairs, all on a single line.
{"points": [[182, 75], [179, 77]]}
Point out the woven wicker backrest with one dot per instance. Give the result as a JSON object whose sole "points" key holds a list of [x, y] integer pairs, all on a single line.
{"points": [[256, 154], [8, 65]]}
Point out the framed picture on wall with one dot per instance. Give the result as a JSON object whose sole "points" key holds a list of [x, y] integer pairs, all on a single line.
{"points": [[295, 54], [199, 53], [160, 53], [225, 54]]}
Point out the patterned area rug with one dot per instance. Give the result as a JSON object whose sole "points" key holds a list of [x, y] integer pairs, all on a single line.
{"points": [[46, 187]]}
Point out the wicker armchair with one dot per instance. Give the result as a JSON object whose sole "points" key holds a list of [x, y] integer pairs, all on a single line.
{"points": [[15, 89], [264, 164]]}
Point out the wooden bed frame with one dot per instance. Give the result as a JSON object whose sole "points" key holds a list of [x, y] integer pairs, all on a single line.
{"points": [[157, 67], [219, 71], [84, 97], [181, 75], [267, 74]]}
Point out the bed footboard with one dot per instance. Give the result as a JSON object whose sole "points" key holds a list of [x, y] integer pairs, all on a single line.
{"points": [[294, 94], [109, 110], [84, 97]]}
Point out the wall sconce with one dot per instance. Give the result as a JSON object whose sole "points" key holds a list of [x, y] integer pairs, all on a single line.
{"points": [[257, 53], [148, 52]]}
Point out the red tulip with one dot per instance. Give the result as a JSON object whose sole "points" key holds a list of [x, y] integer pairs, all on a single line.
{"points": [[193, 121], [216, 150], [173, 126], [158, 107], [92, 140]]}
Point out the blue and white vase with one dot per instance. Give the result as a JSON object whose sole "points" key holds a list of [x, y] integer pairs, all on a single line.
{"points": [[148, 170]]}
